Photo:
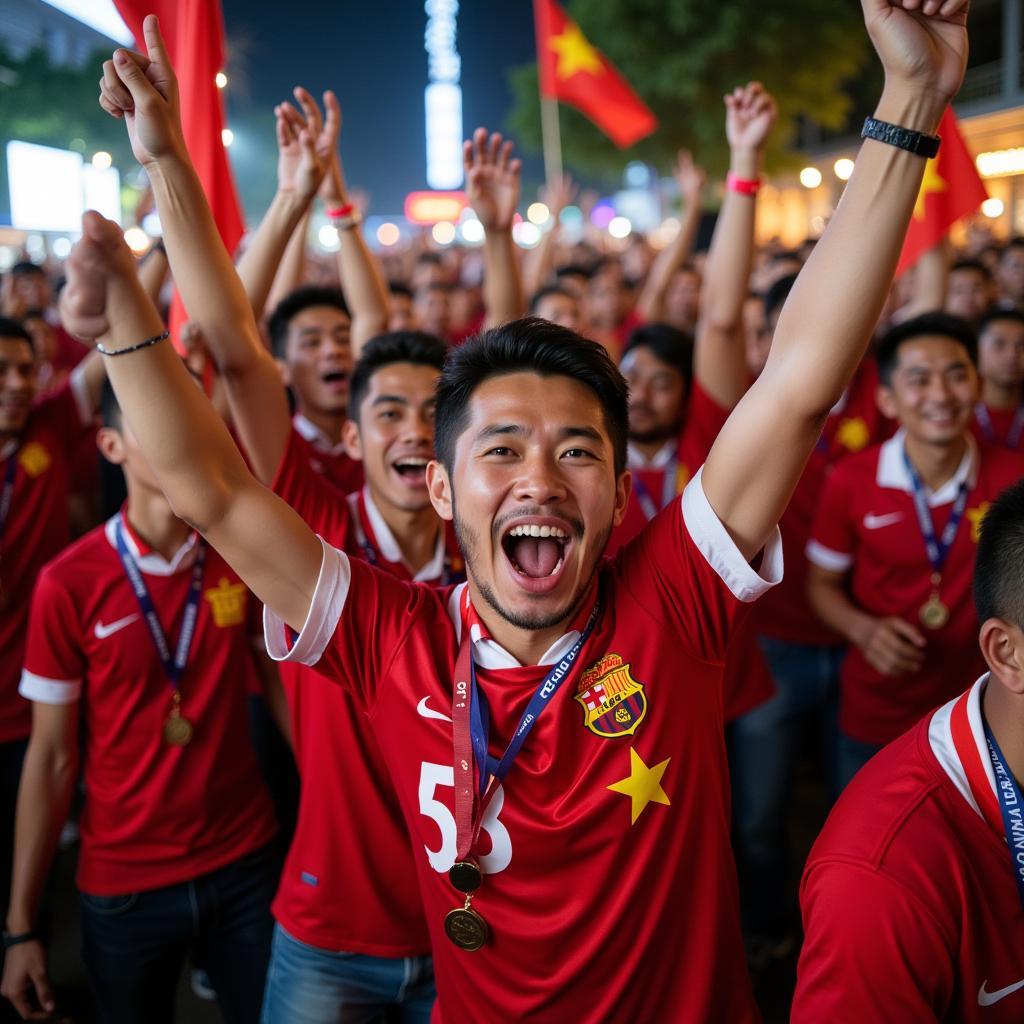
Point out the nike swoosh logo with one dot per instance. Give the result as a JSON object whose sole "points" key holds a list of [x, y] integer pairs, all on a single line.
{"points": [[873, 522], [425, 712], [989, 998], [102, 630]]}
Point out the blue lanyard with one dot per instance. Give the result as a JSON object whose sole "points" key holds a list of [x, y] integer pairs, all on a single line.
{"points": [[985, 422], [937, 547], [174, 667], [8, 491], [668, 490], [480, 715], [1011, 804]]}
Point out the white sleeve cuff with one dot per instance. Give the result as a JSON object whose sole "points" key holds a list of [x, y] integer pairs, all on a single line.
{"points": [[324, 612], [826, 558], [49, 691], [80, 392], [718, 548]]}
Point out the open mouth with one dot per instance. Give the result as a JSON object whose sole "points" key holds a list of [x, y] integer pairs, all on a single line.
{"points": [[536, 551], [335, 379], [411, 469]]}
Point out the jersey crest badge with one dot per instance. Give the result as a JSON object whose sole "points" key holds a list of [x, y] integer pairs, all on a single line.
{"points": [[227, 602], [853, 434], [34, 459], [614, 703]]}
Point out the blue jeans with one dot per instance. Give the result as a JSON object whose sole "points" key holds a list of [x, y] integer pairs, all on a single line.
{"points": [[765, 747], [853, 755], [307, 985], [136, 944]]}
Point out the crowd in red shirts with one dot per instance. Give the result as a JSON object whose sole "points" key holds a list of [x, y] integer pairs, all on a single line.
{"points": [[239, 638]]}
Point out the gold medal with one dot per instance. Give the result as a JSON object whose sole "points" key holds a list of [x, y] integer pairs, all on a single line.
{"points": [[177, 730], [465, 875], [466, 928], [934, 614]]}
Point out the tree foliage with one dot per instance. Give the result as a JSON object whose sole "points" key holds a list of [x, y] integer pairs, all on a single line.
{"points": [[682, 56]]}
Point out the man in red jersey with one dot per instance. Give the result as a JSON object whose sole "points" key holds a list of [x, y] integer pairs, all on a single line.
{"points": [[608, 810], [999, 414], [138, 661], [894, 540], [913, 896]]}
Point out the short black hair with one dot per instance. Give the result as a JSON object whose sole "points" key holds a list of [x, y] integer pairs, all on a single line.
{"points": [[999, 561], [397, 288], [776, 296], [573, 270], [416, 347], [976, 265], [293, 304], [942, 324], [536, 346], [26, 268], [14, 329], [110, 409], [551, 289], [999, 313], [669, 344]]}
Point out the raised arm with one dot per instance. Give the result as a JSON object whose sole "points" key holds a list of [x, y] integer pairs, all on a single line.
{"points": [[691, 180], [540, 260], [719, 359], [827, 321], [492, 184], [362, 280]]}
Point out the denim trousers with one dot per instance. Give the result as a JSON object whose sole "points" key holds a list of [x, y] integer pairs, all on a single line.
{"points": [[308, 985], [136, 944]]}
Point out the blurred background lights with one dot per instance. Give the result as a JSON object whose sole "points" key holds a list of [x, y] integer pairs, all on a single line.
{"points": [[538, 213], [843, 168], [221, 79], [328, 237], [227, 136], [992, 208], [137, 239], [101, 160], [619, 227], [388, 233], [443, 232], [810, 177]]}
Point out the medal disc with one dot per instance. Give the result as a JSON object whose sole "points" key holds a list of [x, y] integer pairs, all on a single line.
{"points": [[465, 875], [934, 614], [177, 731], [466, 928]]}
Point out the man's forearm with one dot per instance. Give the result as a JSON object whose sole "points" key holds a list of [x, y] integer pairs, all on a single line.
{"points": [[503, 289], [651, 304], [363, 284]]}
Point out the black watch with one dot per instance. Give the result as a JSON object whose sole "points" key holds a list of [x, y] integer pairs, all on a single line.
{"points": [[902, 138], [17, 939]]}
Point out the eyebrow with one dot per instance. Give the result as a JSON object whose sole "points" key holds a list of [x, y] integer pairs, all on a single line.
{"points": [[384, 399], [518, 430]]}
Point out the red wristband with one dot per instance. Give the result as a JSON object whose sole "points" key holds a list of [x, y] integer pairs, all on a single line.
{"points": [[335, 212], [744, 186]]}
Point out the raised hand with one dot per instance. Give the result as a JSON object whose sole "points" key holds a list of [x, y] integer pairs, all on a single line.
{"points": [[305, 142], [751, 112], [921, 43], [144, 91], [690, 178], [559, 195], [492, 179]]}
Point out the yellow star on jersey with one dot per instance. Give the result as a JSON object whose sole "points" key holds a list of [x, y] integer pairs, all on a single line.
{"points": [[932, 182], [643, 785], [575, 53]]}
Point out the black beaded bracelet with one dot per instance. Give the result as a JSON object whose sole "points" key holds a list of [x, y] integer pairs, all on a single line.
{"points": [[133, 348], [16, 940], [902, 138]]}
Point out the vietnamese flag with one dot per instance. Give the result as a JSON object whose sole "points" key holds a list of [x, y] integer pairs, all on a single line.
{"points": [[572, 71], [951, 189], [194, 33]]}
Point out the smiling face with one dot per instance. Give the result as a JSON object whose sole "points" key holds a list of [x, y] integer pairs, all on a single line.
{"points": [[318, 357], [657, 396], [17, 384], [534, 495], [1001, 353], [394, 434], [932, 390]]}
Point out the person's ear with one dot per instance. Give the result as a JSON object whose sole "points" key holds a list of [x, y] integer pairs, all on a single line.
{"points": [[439, 487], [286, 377], [111, 445], [886, 401], [623, 489], [1002, 644], [351, 439]]}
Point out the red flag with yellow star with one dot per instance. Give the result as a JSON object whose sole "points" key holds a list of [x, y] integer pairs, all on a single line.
{"points": [[572, 71], [952, 188]]}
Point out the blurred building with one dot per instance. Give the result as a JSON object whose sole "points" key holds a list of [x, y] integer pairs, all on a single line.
{"points": [[30, 24]]}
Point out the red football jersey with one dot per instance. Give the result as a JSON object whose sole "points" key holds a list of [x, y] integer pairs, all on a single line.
{"points": [[351, 889], [609, 885], [853, 424], [36, 530], [330, 460], [1003, 427], [867, 525], [155, 814], [909, 901]]}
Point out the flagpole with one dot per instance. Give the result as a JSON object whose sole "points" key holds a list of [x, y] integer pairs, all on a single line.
{"points": [[552, 140]]}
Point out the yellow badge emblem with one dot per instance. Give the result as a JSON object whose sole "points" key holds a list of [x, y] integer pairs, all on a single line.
{"points": [[227, 602], [853, 434], [976, 515], [614, 703], [34, 459]]}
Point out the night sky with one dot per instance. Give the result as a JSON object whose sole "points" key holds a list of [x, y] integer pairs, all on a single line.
{"points": [[372, 55]]}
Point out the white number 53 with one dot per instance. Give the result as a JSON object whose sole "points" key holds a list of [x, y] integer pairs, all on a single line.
{"points": [[434, 775]]}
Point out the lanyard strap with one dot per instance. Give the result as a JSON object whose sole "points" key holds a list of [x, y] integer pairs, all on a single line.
{"points": [[981, 413], [174, 668], [475, 769], [1011, 804], [7, 493], [668, 489], [370, 552], [938, 548]]}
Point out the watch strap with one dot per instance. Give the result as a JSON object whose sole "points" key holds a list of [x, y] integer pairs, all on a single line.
{"points": [[902, 138], [16, 939]]}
